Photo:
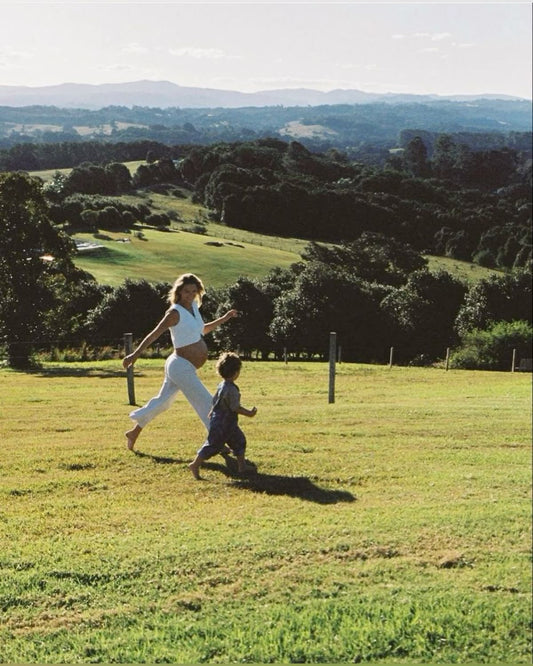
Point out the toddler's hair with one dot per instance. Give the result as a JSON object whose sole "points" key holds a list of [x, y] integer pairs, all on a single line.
{"points": [[228, 364]]}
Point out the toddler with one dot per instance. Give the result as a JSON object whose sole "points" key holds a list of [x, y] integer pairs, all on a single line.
{"points": [[223, 417]]}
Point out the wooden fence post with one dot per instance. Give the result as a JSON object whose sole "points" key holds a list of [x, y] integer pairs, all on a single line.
{"points": [[128, 345], [447, 358], [391, 356], [514, 360], [332, 355]]}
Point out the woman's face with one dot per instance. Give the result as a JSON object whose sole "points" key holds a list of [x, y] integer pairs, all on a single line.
{"points": [[188, 294]]}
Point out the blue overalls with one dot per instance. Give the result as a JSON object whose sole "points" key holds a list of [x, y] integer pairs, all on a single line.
{"points": [[223, 425]]}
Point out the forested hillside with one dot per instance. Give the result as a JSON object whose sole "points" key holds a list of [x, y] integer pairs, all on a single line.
{"points": [[362, 131], [470, 205], [363, 274]]}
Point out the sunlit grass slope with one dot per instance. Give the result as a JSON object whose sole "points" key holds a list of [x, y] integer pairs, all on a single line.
{"points": [[47, 174], [393, 526], [162, 256], [461, 270], [162, 260]]}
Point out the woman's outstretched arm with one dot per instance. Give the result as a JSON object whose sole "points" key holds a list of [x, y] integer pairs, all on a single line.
{"points": [[171, 318], [221, 320]]}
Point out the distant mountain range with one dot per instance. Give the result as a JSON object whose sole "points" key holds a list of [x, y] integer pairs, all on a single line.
{"points": [[164, 94]]}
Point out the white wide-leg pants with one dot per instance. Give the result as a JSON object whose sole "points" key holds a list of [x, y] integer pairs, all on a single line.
{"points": [[180, 375]]}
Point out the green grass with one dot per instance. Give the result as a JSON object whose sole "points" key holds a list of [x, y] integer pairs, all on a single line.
{"points": [[392, 526], [162, 256], [462, 270], [47, 174]]}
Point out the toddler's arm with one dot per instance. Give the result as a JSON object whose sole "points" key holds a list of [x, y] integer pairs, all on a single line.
{"points": [[247, 412]]}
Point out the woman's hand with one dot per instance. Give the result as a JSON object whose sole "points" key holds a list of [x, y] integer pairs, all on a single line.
{"points": [[230, 314], [220, 320], [129, 360]]}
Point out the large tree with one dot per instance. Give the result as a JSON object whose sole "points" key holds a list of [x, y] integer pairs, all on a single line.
{"points": [[323, 299], [505, 297], [422, 313], [133, 307], [249, 331], [35, 257]]}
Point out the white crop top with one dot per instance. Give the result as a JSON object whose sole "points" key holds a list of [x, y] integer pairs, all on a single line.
{"points": [[190, 327]]}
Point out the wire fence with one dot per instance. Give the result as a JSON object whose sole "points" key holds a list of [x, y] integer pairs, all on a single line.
{"points": [[80, 350]]}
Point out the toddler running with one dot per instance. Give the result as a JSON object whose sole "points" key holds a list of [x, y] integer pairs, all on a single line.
{"points": [[223, 417]]}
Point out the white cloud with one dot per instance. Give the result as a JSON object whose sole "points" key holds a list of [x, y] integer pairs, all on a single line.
{"points": [[9, 53], [432, 36], [116, 67], [199, 53], [367, 67], [134, 47]]}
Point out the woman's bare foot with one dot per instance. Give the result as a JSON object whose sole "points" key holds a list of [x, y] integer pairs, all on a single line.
{"points": [[131, 436]]}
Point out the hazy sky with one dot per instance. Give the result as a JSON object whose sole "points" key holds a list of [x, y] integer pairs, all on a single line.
{"points": [[430, 47]]}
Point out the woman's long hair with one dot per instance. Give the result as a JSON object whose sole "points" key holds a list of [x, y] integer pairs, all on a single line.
{"points": [[186, 278]]}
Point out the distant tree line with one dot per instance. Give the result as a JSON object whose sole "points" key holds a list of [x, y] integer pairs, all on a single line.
{"points": [[474, 206], [363, 131], [65, 154]]}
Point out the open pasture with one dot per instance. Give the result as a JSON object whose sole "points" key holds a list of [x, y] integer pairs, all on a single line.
{"points": [[161, 256], [393, 526]]}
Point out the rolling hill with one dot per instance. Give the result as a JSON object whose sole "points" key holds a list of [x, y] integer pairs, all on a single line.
{"points": [[166, 94], [207, 248], [159, 256]]}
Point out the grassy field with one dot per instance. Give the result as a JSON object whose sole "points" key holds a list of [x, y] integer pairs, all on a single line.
{"points": [[393, 526], [47, 174], [462, 270], [162, 256]]}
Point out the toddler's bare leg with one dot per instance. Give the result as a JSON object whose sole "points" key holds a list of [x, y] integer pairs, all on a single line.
{"points": [[243, 467], [195, 467]]}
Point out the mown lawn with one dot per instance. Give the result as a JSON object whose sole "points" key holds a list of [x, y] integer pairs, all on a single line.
{"points": [[393, 526]]}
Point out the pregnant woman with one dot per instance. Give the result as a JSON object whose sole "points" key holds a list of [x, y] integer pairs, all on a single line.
{"points": [[186, 326]]}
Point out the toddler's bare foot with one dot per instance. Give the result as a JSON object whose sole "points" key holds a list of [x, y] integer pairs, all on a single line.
{"points": [[131, 436], [195, 469], [246, 469]]}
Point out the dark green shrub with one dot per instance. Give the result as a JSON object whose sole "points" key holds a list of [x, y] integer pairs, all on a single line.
{"points": [[492, 349]]}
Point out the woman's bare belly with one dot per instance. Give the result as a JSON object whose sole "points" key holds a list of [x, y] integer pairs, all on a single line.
{"points": [[195, 353]]}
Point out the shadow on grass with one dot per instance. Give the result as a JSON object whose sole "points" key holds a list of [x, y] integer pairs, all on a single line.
{"points": [[90, 371], [275, 484], [160, 460]]}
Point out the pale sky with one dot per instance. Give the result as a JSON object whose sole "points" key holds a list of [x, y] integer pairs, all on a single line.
{"points": [[422, 48]]}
